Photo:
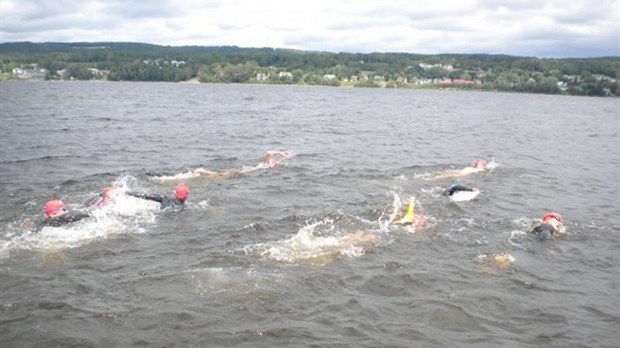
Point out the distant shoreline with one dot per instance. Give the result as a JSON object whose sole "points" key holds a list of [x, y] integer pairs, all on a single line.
{"points": [[195, 81]]}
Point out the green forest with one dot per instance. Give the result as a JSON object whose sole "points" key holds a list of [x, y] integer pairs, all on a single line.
{"points": [[230, 64]]}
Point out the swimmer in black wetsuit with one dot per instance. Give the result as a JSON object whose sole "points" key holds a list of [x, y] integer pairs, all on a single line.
{"points": [[458, 193], [180, 195], [551, 226], [457, 188], [56, 215]]}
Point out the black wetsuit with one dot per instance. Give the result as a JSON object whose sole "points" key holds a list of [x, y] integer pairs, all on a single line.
{"points": [[165, 202], [457, 188], [62, 219], [95, 201], [544, 231]]}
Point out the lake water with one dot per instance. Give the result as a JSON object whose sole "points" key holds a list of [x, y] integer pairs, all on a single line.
{"points": [[258, 260]]}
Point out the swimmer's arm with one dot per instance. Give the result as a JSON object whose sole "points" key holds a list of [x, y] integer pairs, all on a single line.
{"points": [[73, 217], [93, 201], [447, 174], [156, 198], [359, 237], [62, 220], [277, 153], [204, 171]]}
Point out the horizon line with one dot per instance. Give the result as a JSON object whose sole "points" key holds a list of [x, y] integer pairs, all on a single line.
{"points": [[296, 49]]}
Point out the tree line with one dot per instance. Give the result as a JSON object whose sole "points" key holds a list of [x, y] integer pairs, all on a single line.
{"points": [[231, 64]]}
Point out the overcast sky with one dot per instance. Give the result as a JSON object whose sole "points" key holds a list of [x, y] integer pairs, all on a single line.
{"points": [[541, 28]]}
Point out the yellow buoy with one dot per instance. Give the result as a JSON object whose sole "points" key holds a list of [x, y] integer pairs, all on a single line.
{"points": [[409, 217]]}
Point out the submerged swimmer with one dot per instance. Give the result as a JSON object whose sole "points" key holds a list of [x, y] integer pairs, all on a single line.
{"points": [[269, 160], [306, 247], [56, 215], [359, 237], [477, 166], [497, 261], [550, 226], [101, 199], [459, 193], [412, 218], [181, 193]]}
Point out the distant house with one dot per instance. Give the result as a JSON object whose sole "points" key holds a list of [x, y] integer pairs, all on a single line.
{"points": [[285, 75], [29, 74], [563, 86], [425, 66], [95, 72], [261, 76], [329, 77], [462, 82]]}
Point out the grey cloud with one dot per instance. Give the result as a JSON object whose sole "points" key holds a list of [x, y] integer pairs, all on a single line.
{"points": [[41, 9], [363, 23], [514, 5], [145, 9]]}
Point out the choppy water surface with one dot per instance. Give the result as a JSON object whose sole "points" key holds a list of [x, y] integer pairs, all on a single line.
{"points": [[259, 260]]}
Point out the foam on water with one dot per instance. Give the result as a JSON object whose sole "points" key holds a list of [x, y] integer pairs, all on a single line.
{"points": [[462, 196], [177, 177]]}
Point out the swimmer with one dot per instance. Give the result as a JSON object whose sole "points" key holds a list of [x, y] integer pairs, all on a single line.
{"points": [[56, 215], [101, 199], [550, 226], [459, 193], [269, 160], [181, 193], [359, 237], [412, 218], [477, 166], [498, 261]]}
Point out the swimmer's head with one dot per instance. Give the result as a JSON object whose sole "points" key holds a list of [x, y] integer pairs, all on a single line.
{"points": [[181, 192], [271, 162], [107, 191], [544, 235], [552, 216], [54, 208], [106, 196], [479, 164], [555, 220]]}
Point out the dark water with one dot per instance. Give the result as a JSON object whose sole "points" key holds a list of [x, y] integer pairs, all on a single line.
{"points": [[252, 262]]}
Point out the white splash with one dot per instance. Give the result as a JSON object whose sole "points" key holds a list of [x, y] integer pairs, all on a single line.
{"points": [[309, 246], [177, 177], [462, 196]]}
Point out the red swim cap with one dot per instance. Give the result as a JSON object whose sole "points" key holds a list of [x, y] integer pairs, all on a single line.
{"points": [[181, 192], [549, 216], [54, 207], [106, 191]]}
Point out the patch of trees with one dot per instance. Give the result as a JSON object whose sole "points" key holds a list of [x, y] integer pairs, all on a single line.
{"points": [[230, 64]]}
